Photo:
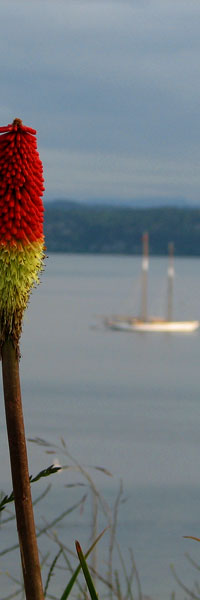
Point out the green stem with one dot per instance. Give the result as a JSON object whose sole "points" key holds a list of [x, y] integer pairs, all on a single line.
{"points": [[20, 473]]}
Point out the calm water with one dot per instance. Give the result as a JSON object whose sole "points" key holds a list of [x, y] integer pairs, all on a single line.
{"points": [[127, 402]]}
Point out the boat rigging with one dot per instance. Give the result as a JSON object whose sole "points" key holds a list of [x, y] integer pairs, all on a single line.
{"points": [[144, 323]]}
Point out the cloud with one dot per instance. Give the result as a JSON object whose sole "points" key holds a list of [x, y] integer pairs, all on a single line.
{"points": [[91, 176], [105, 79]]}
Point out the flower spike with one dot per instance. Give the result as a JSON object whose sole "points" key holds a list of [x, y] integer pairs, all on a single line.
{"points": [[21, 224]]}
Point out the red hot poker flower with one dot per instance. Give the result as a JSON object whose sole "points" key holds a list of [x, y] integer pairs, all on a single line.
{"points": [[21, 224]]}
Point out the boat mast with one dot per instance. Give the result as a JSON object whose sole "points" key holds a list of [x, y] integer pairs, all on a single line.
{"points": [[170, 281], [145, 267]]}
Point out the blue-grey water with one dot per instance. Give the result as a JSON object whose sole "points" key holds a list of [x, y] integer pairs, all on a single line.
{"points": [[126, 402]]}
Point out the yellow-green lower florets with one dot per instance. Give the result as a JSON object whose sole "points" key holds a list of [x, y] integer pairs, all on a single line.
{"points": [[20, 266]]}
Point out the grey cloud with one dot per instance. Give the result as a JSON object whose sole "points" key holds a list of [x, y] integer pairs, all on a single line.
{"points": [[117, 176], [108, 78]]}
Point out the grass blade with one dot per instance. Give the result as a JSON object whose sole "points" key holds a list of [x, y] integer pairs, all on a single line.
{"points": [[77, 571], [51, 570], [86, 572]]}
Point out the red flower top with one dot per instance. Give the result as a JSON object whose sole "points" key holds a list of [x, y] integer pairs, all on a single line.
{"points": [[21, 185]]}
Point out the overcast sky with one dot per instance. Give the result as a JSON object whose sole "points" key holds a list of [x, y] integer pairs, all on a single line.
{"points": [[113, 89]]}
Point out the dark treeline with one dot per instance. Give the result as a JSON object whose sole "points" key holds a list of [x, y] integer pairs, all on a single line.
{"points": [[71, 227]]}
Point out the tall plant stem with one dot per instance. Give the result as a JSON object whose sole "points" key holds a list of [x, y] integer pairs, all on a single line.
{"points": [[20, 473]]}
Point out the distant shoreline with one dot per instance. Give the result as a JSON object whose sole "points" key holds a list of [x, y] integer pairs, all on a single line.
{"points": [[98, 229], [114, 254]]}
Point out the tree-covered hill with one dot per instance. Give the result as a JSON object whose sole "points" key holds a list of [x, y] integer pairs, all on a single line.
{"points": [[71, 227]]}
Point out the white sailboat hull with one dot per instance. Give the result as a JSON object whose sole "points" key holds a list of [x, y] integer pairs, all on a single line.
{"points": [[152, 325]]}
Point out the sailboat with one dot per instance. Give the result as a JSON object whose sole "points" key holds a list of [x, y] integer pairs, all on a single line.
{"points": [[144, 323]]}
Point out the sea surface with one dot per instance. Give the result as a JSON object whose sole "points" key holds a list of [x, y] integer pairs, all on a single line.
{"points": [[128, 403]]}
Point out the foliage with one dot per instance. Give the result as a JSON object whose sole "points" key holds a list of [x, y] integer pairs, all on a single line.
{"points": [[44, 473], [58, 560], [71, 227], [86, 572], [115, 583]]}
